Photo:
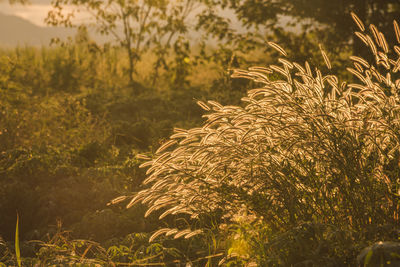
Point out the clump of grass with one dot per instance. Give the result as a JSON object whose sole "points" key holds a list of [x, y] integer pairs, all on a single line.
{"points": [[305, 147]]}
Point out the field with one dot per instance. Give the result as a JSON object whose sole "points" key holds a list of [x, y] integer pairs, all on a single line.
{"points": [[201, 155]]}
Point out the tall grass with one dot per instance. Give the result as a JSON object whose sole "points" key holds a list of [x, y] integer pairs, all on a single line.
{"points": [[305, 147]]}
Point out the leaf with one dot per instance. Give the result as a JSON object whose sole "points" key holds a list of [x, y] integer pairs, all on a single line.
{"points": [[368, 257], [17, 250]]}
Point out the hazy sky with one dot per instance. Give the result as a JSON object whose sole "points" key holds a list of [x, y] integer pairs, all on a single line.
{"points": [[35, 12]]}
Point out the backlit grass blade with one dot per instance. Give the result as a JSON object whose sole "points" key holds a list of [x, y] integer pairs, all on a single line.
{"points": [[17, 250]]}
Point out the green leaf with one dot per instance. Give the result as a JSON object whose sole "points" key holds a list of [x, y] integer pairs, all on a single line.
{"points": [[17, 250], [368, 257]]}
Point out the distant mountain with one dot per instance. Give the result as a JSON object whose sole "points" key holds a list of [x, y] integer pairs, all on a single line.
{"points": [[18, 31], [15, 30]]}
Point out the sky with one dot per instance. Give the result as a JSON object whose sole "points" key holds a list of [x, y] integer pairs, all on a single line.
{"points": [[35, 12]]}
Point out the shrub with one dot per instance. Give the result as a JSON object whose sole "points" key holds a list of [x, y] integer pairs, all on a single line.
{"points": [[304, 148]]}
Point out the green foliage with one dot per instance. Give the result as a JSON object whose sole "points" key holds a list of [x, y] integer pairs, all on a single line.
{"points": [[136, 26], [70, 131], [327, 21]]}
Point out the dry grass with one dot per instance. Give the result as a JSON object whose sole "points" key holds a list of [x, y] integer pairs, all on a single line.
{"points": [[304, 148]]}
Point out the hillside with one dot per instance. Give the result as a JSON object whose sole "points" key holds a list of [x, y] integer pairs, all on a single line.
{"points": [[17, 31]]}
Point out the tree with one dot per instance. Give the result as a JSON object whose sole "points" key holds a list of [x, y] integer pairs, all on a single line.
{"points": [[300, 26], [330, 20], [136, 26]]}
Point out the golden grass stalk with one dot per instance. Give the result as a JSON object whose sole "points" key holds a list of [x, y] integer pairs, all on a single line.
{"points": [[304, 146]]}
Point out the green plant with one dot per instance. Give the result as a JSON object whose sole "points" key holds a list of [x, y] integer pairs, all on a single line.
{"points": [[135, 26]]}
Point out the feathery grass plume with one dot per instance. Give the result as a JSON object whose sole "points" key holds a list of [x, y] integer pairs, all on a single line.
{"points": [[158, 233], [357, 20], [141, 156], [182, 233], [397, 30], [171, 232], [166, 145], [325, 56], [117, 200], [203, 105], [375, 33], [304, 148], [362, 37], [360, 60], [193, 234], [384, 43], [278, 48]]}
